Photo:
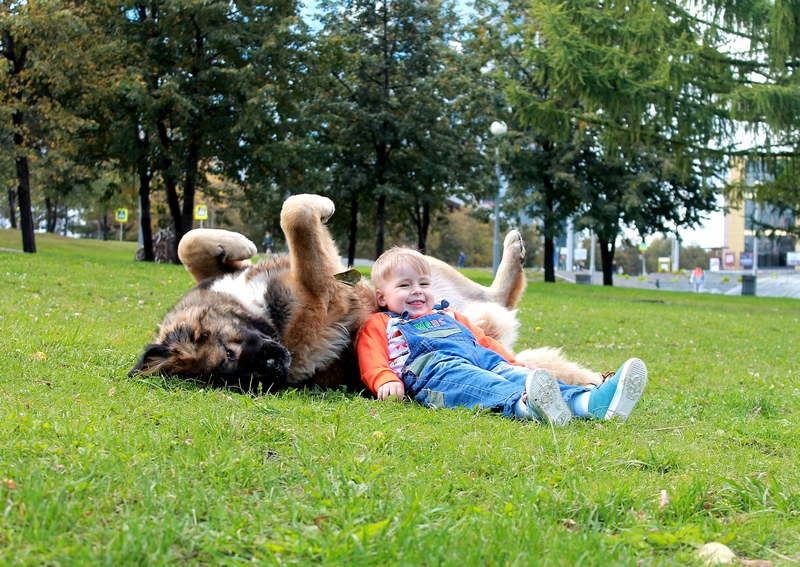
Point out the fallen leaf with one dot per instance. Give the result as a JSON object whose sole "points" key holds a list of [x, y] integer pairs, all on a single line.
{"points": [[570, 524], [10, 484], [319, 519], [664, 499], [112, 391]]}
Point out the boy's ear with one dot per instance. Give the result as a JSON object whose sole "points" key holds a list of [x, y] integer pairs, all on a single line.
{"points": [[381, 298]]}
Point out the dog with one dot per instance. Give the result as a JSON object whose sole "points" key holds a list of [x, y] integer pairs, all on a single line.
{"points": [[292, 320]]}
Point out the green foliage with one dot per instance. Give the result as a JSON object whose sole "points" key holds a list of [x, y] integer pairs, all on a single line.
{"points": [[395, 114], [97, 468]]}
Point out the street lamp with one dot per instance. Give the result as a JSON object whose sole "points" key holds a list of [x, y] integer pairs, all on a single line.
{"points": [[497, 129]]}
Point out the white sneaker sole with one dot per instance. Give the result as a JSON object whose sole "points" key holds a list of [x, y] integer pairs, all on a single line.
{"points": [[544, 396], [632, 381]]}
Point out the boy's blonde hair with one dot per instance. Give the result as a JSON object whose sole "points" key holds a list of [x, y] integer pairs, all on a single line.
{"points": [[388, 262]]}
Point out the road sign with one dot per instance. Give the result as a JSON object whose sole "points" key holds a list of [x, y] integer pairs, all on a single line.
{"points": [[200, 212], [121, 215]]}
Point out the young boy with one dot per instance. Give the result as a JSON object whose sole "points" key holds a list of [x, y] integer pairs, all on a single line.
{"points": [[440, 359]]}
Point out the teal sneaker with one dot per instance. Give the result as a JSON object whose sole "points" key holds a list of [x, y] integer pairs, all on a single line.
{"points": [[544, 398], [617, 396]]}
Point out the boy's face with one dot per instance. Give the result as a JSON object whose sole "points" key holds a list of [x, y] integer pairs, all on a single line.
{"points": [[406, 290]]}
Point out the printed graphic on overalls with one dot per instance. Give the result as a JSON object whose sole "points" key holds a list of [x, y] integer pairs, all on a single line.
{"points": [[435, 328]]}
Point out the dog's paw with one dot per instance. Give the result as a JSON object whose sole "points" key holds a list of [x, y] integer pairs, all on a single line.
{"points": [[202, 244], [322, 207], [514, 246], [233, 246]]}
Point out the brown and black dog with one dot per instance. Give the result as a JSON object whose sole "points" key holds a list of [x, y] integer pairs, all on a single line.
{"points": [[290, 321]]}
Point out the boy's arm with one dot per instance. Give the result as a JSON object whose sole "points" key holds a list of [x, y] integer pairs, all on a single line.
{"points": [[483, 339], [373, 354]]}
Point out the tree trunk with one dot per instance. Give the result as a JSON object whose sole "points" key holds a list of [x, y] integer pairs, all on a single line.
{"points": [[18, 60], [104, 226], [144, 207], [171, 185], [549, 257], [50, 215], [25, 208], [189, 190], [12, 207], [24, 186], [351, 249], [422, 228], [380, 226], [548, 230], [607, 250]]}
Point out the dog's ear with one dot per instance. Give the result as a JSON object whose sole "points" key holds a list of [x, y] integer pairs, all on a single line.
{"points": [[153, 358]]}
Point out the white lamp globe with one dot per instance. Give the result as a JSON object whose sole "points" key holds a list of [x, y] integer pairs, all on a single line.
{"points": [[498, 128]]}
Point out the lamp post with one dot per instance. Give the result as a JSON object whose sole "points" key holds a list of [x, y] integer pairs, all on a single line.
{"points": [[497, 129]]}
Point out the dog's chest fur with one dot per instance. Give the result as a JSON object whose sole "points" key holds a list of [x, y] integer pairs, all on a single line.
{"points": [[262, 290]]}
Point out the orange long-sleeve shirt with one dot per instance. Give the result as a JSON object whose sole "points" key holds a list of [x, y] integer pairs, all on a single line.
{"points": [[373, 349]]}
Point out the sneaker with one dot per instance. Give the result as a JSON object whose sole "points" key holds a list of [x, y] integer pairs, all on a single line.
{"points": [[544, 398], [618, 395]]}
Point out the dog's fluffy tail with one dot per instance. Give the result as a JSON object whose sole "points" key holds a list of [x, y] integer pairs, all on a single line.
{"points": [[496, 321], [552, 360]]}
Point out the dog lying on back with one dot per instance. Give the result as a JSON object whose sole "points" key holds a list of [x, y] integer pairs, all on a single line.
{"points": [[291, 320]]}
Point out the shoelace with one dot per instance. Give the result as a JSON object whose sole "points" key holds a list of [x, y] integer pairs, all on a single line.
{"points": [[606, 375]]}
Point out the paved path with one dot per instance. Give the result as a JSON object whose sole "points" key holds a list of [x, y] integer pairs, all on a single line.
{"points": [[778, 283]]}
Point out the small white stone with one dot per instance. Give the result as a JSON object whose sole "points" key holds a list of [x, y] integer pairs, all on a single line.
{"points": [[714, 553]]}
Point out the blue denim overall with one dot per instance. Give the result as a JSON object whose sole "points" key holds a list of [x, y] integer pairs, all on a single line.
{"points": [[446, 366]]}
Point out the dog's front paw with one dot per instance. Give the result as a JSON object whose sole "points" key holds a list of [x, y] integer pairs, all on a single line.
{"points": [[233, 246], [202, 244], [514, 246]]}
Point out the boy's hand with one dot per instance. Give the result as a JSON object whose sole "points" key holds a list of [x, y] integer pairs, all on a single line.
{"points": [[392, 389]]}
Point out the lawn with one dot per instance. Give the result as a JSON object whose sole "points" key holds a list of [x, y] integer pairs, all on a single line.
{"points": [[100, 469]]}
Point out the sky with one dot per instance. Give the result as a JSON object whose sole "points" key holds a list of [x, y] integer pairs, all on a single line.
{"points": [[710, 235]]}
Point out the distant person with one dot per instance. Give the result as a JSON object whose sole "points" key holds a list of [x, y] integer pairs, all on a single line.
{"points": [[267, 243], [438, 358], [698, 279], [461, 259]]}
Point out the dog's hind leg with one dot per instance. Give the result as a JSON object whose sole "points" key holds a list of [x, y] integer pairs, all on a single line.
{"points": [[327, 313], [509, 283]]}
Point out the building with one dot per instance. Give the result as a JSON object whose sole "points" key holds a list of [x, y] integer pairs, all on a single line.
{"points": [[775, 250]]}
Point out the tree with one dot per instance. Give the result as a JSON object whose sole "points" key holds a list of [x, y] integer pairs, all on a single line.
{"points": [[40, 45], [764, 99], [192, 73], [638, 73], [16, 41], [396, 114], [640, 190]]}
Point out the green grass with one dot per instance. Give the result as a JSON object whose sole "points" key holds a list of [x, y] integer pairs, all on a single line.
{"points": [[100, 469]]}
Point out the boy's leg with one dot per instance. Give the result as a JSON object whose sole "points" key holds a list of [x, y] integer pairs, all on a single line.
{"points": [[452, 382], [618, 395], [544, 399]]}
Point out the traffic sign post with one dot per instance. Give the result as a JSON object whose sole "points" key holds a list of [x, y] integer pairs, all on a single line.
{"points": [[200, 213], [121, 215]]}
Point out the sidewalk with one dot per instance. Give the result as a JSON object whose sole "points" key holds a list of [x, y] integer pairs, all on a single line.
{"points": [[777, 283]]}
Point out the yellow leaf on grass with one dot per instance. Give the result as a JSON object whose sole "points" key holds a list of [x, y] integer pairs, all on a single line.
{"points": [[368, 532]]}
